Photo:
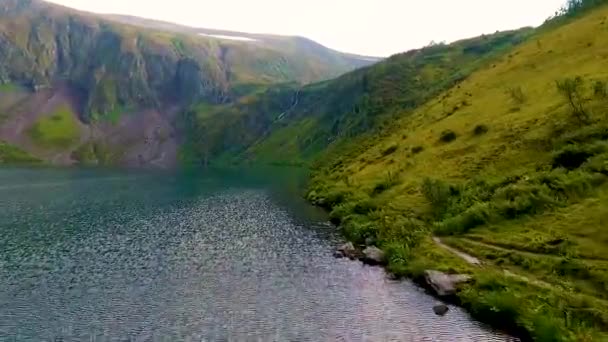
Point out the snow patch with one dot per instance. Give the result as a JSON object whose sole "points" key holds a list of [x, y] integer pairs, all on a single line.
{"points": [[221, 36]]}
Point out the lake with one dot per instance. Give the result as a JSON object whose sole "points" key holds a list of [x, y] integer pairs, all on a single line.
{"points": [[101, 255]]}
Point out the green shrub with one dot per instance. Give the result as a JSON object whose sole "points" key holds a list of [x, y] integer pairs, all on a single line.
{"points": [[459, 208], [339, 212], [517, 95], [480, 130], [572, 156], [398, 256], [404, 230], [358, 228], [572, 90], [448, 136], [499, 307], [388, 182], [390, 150], [546, 329], [417, 149], [516, 200], [364, 207], [10, 154], [477, 215], [438, 194]]}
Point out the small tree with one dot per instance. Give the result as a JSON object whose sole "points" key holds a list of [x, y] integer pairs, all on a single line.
{"points": [[572, 91], [517, 95]]}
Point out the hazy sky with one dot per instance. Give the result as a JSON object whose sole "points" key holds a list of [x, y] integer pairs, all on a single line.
{"points": [[372, 27]]}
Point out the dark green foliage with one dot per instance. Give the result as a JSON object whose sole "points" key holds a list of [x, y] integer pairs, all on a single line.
{"points": [[480, 130], [571, 157], [517, 95], [388, 182], [10, 154], [577, 7], [448, 136], [580, 162], [417, 149], [390, 150], [599, 89], [358, 228], [572, 91], [438, 193], [457, 209]]}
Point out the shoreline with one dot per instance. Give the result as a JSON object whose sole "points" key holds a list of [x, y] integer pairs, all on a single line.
{"points": [[510, 328]]}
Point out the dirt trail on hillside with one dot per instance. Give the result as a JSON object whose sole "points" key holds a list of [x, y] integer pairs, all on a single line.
{"points": [[464, 256]]}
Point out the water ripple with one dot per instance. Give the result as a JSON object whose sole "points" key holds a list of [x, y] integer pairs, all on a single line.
{"points": [[146, 259]]}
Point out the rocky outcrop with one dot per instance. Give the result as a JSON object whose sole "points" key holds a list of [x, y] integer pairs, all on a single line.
{"points": [[373, 256], [443, 284], [347, 250]]}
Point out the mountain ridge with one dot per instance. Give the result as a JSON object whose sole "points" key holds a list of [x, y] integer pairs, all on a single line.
{"points": [[113, 70]]}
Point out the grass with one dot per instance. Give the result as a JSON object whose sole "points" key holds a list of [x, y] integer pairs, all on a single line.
{"points": [[57, 130], [526, 195], [361, 102], [10, 154], [8, 87]]}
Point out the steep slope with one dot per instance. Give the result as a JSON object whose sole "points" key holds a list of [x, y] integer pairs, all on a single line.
{"points": [[510, 166], [328, 62], [121, 86], [294, 124]]}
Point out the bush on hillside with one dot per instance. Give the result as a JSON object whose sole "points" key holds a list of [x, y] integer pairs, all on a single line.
{"points": [[517, 95], [438, 194], [458, 209], [480, 130], [390, 150], [386, 183], [571, 157], [417, 149], [572, 90], [448, 136]]}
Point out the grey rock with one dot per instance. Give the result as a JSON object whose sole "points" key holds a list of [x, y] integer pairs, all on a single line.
{"points": [[440, 309], [338, 255], [348, 250], [373, 256], [445, 284]]}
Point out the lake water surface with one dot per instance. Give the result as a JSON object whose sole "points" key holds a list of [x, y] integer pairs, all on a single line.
{"points": [[129, 256]]}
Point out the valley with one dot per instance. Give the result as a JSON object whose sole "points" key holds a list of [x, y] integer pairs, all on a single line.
{"points": [[486, 157]]}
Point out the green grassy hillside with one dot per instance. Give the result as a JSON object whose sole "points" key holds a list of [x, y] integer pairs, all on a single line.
{"points": [[10, 154], [511, 166], [293, 124]]}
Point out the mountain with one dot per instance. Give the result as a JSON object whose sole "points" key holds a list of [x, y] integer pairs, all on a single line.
{"points": [[83, 88], [305, 50], [79, 87]]}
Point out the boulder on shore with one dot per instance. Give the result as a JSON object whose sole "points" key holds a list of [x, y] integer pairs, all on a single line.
{"points": [[440, 309], [445, 284], [347, 250], [373, 256]]}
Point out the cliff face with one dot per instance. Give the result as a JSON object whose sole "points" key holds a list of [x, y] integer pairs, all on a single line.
{"points": [[111, 66], [118, 65]]}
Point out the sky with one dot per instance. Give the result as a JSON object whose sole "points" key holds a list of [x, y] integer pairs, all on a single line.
{"points": [[368, 27]]}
